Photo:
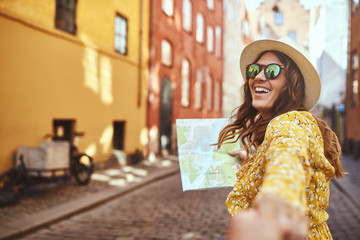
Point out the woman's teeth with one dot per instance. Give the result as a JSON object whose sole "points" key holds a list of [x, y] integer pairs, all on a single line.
{"points": [[260, 89]]}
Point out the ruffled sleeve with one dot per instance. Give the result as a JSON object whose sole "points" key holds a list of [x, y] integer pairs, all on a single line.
{"points": [[286, 158]]}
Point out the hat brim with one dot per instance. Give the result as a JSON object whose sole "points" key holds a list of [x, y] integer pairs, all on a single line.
{"points": [[311, 76]]}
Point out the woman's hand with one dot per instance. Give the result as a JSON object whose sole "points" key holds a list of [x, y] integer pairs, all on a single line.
{"points": [[241, 154], [271, 218]]}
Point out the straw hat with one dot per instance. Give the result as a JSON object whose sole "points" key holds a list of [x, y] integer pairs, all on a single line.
{"points": [[291, 49]]}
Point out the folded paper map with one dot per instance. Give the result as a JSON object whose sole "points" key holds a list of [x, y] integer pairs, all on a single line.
{"points": [[202, 166]]}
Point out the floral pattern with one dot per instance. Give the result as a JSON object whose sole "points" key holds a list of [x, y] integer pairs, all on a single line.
{"points": [[290, 163]]}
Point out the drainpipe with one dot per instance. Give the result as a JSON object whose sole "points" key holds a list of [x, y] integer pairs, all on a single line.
{"points": [[140, 54]]}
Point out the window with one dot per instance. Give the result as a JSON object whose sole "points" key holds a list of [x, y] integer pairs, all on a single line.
{"points": [[65, 15], [187, 15], [218, 41], [166, 53], [217, 96], [278, 18], [210, 4], [198, 93], [292, 35], [168, 7], [120, 40], [199, 28], [354, 5], [246, 28], [354, 78], [209, 91], [210, 39], [185, 83]]}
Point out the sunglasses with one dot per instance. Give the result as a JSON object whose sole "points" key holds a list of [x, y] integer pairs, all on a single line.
{"points": [[271, 71]]}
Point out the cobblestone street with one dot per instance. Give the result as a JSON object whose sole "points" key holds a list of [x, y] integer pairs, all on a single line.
{"points": [[159, 211]]}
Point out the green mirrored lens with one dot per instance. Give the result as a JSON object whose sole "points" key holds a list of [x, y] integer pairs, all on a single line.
{"points": [[252, 70], [272, 71]]}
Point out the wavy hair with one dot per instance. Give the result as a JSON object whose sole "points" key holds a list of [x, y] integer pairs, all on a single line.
{"points": [[250, 127]]}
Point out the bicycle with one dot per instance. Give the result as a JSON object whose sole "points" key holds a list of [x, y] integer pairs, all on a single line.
{"points": [[81, 167]]}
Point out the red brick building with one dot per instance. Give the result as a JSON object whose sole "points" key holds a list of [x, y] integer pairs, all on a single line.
{"points": [[353, 76], [185, 79]]}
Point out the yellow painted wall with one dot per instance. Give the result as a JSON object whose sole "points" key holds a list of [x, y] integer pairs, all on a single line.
{"points": [[48, 74]]}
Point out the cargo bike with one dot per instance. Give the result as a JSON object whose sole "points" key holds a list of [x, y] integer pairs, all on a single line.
{"points": [[54, 159]]}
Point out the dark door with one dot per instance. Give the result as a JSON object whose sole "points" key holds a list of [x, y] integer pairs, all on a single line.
{"points": [[165, 115], [118, 137]]}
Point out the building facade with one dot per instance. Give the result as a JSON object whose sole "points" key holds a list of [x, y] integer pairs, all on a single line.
{"points": [[186, 68], [71, 66], [236, 35], [328, 50], [280, 18], [353, 75]]}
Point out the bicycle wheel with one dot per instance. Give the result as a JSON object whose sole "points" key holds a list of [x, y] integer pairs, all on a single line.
{"points": [[8, 191], [83, 168]]}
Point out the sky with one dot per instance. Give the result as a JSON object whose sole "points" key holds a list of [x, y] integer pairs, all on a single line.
{"points": [[253, 4]]}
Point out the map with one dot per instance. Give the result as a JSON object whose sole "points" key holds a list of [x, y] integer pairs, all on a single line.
{"points": [[202, 166]]}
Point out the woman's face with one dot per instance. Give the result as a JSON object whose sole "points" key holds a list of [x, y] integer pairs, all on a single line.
{"points": [[265, 91]]}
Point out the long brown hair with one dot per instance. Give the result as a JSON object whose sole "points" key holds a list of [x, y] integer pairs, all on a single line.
{"points": [[250, 127]]}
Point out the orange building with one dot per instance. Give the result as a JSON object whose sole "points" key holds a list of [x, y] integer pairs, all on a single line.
{"points": [[352, 144], [76, 66], [185, 66]]}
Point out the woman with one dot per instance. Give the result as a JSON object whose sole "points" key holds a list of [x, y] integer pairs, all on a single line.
{"points": [[282, 189]]}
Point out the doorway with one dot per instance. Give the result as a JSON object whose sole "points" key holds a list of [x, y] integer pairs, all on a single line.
{"points": [[166, 100]]}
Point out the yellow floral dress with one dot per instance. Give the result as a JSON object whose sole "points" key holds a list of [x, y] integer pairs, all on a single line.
{"points": [[291, 163]]}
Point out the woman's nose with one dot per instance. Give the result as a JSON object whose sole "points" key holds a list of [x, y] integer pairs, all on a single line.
{"points": [[261, 75]]}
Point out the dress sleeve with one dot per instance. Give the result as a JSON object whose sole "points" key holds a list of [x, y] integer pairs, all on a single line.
{"points": [[287, 166]]}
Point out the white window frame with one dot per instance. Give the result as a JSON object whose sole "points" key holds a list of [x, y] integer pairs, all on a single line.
{"points": [[185, 83], [209, 81], [166, 53], [198, 88], [217, 96], [120, 38], [354, 78], [210, 4], [199, 28], [187, 15], [218, 41], [210, 39], [168, 7]]}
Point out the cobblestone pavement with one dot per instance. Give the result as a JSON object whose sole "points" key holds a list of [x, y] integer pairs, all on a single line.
{"points": [[158, 211], [47, 195], [162, 211], [344, 211]]}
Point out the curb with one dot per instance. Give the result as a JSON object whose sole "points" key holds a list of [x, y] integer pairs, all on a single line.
{"points": [[25, 225]]}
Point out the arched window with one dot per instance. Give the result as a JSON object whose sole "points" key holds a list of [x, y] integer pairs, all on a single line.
{"points": [[166, 53], [187, 8], [209, 91], [210, 39], [217, 96], [218, 41], [198, 92], [210, 4], [199, 28], [185, 83], [168, 7], [354, 78]]}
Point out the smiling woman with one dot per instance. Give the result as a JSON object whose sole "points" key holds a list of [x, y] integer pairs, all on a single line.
{"points": [[284, 183]]}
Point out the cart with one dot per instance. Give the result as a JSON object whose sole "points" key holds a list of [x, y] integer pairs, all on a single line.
{"points": [[50, 161]]}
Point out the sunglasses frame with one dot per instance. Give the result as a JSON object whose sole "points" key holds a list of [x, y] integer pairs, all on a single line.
{"points": [[261, 67]]}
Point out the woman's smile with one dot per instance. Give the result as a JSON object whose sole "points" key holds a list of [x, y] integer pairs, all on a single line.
{"points": [[266, 91]]}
